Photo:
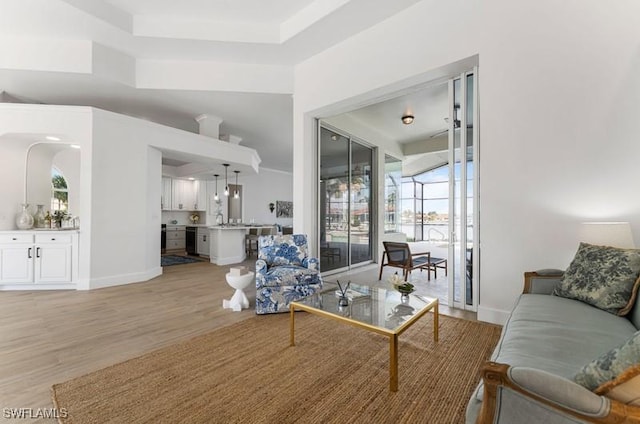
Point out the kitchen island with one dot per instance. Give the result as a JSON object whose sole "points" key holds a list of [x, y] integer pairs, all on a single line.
{"points": [[227, 244]]}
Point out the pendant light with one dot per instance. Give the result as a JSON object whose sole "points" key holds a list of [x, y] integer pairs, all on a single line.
{"points": [[215, 197], [236, 195], [226, 184]]}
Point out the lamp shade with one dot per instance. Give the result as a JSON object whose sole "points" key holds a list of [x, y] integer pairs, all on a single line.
{"points": [[615, 234]]}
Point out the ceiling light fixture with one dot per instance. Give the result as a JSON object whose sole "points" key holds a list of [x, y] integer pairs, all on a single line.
{"points": [[236, 194], [226, 183], [215, 196], [407, 119]]}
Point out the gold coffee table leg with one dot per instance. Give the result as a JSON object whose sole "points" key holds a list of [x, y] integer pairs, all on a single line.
{"points": [[393, 362], [292, 341]]}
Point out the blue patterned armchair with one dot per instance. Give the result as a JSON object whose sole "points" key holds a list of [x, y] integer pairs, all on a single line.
{"points": [[284, 272]]}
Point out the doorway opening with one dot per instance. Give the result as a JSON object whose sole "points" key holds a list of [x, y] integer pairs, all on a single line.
{"points": [[427, 171]]}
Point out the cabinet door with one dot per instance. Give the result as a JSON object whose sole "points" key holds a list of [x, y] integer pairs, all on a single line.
{"points": [[203, 244], [53, 263], [200, 190], [177, 195], [189, 195], [166, 195], [16, 264], [183, 196]]}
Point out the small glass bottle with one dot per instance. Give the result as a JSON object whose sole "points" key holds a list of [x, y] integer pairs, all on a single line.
{"points": [[47, 220]]}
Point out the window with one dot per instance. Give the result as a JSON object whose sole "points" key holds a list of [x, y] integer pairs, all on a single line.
{"points": [[425, 204], [59, 193]]}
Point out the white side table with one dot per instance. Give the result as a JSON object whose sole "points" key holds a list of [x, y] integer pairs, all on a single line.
{"points": [[239, 299]]}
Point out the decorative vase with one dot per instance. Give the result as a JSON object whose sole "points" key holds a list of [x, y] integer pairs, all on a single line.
{"points": [[219, 219], [24, 220], [38, 218]]}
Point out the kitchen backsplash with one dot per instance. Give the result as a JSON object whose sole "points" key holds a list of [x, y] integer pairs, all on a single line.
{"points": [[182, 217]]}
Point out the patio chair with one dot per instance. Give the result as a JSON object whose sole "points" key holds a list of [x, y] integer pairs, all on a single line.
{"points": [[284, 272], [399, 255]]}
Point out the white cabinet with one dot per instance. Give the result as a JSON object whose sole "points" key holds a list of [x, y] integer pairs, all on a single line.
{"points": [[16, 263], [53, 258], [178, 195], [183, 195], [166, 194], [37, 257], [202, 243], [200, 193], [176, 237]]}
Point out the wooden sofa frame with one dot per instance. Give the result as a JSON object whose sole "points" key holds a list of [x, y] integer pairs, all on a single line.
{"points": [[495, 375]]}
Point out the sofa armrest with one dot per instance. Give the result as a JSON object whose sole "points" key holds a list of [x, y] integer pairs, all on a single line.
{"points": [[311, 263], [542, 281], [261, 273], [520, 391]]}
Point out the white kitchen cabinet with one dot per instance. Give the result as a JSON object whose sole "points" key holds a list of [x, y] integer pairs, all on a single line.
{"points": [[200, 194], [38, 258], [16, 264], [52, 258], [202, 244], [176, 237], [183, 196], [166, 194]]}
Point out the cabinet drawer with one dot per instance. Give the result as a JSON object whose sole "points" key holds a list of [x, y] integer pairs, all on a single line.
{"points": [[175, 235], [176, 244], [16, 238], [53, 238]]}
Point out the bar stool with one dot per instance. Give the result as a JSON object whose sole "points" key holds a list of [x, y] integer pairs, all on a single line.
{"points": [[251, 241]]}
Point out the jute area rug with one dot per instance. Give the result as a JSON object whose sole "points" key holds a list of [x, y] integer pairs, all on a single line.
{"points": [[248, 373]]}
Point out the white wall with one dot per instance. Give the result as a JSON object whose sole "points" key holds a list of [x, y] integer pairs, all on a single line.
{"points": [[12, 152], [268, 186], [558, 100]]}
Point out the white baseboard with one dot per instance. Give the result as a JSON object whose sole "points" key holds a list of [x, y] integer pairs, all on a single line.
{"points": [[58, 286], [119, 280], [494, 316]]}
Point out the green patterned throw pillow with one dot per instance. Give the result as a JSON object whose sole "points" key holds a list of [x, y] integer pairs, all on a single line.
{"points": [[602, 276], [610, 365]]}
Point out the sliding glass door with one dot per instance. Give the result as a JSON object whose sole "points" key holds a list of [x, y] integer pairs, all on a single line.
{"points": [[345, 201], [463, 177]]}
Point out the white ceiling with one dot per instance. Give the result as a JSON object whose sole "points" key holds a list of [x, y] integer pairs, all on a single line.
{"points": [[169, 61]]}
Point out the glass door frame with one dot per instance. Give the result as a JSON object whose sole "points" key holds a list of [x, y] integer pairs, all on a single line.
{"points": [[373, 212], [459, 235]]}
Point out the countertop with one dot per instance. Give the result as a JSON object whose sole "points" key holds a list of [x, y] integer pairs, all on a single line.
{"points": [[40, 230]]}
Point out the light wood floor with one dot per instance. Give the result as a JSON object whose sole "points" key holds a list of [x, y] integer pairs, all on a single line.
{"points": [[48, 337]]}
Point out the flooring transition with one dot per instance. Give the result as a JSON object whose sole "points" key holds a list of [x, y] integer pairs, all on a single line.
{"points": [[53, 336]]}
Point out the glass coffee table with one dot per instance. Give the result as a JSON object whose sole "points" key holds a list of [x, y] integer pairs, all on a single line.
{"points": [[382, 311]]}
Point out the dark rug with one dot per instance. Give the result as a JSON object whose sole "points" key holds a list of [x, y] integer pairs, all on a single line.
{"points": [[169, 260]]}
